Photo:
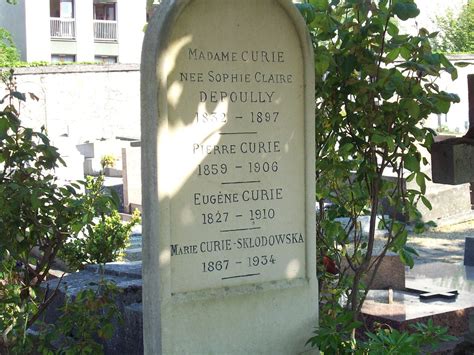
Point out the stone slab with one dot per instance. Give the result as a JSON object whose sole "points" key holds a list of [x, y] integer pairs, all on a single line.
{"points": [[391, 274], [228, 179], [128, 337], [131, 269], [73, 283], [407, 307], [132, 177], [133, 332], [113, 172], [99, 148], [449, 202], [92, 166], [73, 170], [134, 254], [452, 162]]}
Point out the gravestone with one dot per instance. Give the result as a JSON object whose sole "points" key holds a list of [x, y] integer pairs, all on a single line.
{"points": [[452, 159], [132, 177], [228, 179], [469, 251]]}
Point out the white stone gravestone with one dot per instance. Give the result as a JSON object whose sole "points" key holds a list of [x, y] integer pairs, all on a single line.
{"points": [[228, 179]]}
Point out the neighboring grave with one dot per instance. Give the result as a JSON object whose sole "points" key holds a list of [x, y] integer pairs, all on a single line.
{"points": [[406, 307], [132, 177], [228, 179], [73, 169], [469, 251], [93, 153], [453, 159]]}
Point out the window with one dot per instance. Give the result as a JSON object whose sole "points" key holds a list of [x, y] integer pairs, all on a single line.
{"points": [[106, 59], [63, 58], [61, 8], [104, 12]]}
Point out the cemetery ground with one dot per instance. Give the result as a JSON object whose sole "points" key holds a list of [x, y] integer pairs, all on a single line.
{"points": [[443, 243]]}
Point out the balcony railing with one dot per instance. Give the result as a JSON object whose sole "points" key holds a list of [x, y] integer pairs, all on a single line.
{"points": [[64, 28], [105, 30]]}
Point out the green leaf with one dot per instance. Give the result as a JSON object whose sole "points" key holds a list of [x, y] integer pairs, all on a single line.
{"points": [[443, 105], [410, 177], [405, 9], [411, 250], [319, 5], [378, 138], [411, 162], [406, 258], [393, 54], [412, 107], [307, 11], [421, 182], [4, 126], [405, 53], [392, 29], [321, 63], [426, 202]]}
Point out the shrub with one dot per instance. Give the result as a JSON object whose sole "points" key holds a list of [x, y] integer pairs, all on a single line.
{"points": [[104, 242], [107, 161], [85, 321], [374, 89], [37, 215]]}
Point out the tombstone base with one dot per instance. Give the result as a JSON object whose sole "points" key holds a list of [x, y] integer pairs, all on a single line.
{"points": [[453, 161]]}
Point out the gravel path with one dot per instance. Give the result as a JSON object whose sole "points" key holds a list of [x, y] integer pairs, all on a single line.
{"points": [[442, 244]]}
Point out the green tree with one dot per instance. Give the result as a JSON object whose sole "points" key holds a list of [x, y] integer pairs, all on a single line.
{"points": [[457, 30], [374, 88], [8, 51]]}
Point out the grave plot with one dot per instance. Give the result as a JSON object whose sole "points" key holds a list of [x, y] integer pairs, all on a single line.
{"points": [[438, 291]]}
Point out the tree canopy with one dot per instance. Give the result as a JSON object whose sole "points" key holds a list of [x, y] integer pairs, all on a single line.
{"points": [[8, 51], [457, 30]]}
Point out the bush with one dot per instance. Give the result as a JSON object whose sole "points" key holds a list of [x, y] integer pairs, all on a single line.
{"points": [[104, 242], [85, 322], [374, 88], [37, 215]]}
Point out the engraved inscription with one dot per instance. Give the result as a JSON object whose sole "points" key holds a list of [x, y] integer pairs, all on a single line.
{"points": [[238, 217]]}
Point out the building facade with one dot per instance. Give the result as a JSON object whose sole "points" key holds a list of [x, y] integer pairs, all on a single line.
{"points": [[108, 31]]}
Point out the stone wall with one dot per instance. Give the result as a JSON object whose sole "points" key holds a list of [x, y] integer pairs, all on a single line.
{"points": [[85, 102], [90, 102]]}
